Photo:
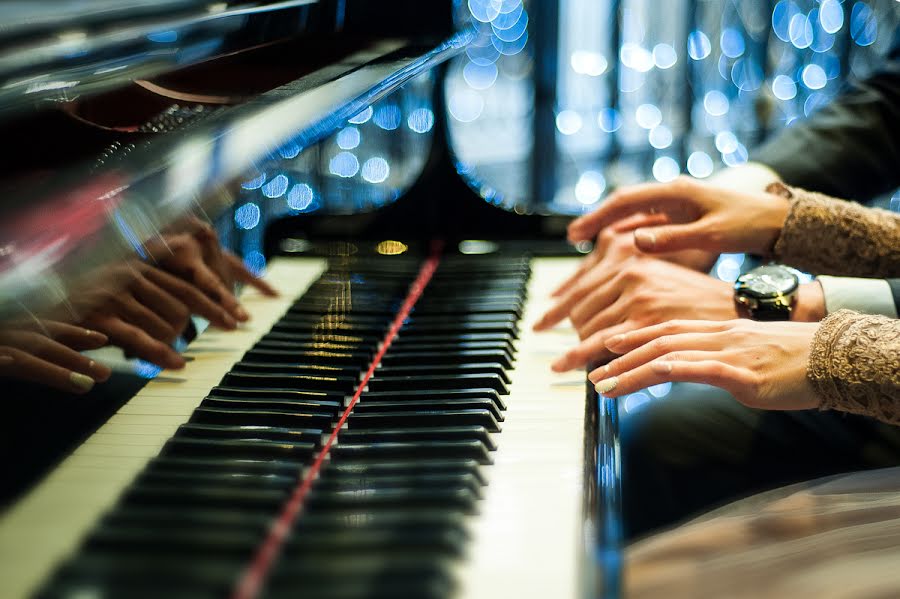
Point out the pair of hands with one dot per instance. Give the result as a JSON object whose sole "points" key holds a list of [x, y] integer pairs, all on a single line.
{"points": [[639, 294], [140, 307]]}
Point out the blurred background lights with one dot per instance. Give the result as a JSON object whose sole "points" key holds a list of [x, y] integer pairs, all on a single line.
{"points": [[300, 197], [480, 76], [715, 103], [465, 105], [255, 262], [247, 216], [289, 150], [348, 138], [254, 183], [784, 88], [731, 42], [660, 390], [863, 24], [590, 187], [568, 122], [588, 63], [800, 30], [660, 137], [698, 45], [665, 169], [636, 57], [664, 56], [376, 170], [699, 165], [726, 142], [362, 117], [344, 164], [276, 187], [634, 401], [648, 116], [728, 267], [813, 76], [831, 15], [609, 120], [388, 117], [421, 120]]}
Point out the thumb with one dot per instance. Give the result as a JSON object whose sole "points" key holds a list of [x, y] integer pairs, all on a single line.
{"points": [[668, 238]]}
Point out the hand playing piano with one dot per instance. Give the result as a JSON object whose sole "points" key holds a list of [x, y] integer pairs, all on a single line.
{"points": [[639, 291], [47, 352], [697, 216], [762, 364]]}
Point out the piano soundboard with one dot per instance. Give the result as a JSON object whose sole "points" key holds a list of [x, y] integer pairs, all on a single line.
{"points": [[386, 427]]}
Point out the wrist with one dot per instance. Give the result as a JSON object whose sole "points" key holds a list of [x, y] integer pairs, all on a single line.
{"points": [[810, 306], [770, 223]]}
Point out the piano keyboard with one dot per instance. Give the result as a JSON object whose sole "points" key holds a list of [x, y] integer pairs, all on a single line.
{"points": [[351, 451]]}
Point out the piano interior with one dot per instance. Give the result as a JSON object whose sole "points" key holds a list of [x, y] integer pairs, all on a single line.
{"points": [[387, 426]]}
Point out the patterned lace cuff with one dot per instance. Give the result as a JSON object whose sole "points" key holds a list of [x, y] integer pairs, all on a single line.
{"points": [[854, 365]]}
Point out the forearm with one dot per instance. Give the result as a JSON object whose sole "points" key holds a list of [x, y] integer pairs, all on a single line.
{"points": [[823, 235], [854, 365]]}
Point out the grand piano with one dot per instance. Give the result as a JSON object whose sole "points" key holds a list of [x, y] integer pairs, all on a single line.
{"points": [[388, 425]]}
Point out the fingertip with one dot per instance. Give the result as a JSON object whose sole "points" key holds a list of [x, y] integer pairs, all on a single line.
{"points": [[80, 383], [645, 239], [241, 314], [101, 372]]}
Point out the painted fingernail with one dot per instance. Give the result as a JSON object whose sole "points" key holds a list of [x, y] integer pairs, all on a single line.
{"points": [[188, 358], [81, 381], [645, 238], [606, 385], [615, 340], [6, 360], [662, 367]]}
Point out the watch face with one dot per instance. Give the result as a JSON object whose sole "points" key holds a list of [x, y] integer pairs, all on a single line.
{"points": [[768, 281]]}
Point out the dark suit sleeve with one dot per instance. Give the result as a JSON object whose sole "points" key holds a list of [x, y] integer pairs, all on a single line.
{"points": [[895, 291], [850, 148]]}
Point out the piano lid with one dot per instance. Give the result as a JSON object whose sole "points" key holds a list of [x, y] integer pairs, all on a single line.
{"points": [[87, 215]]}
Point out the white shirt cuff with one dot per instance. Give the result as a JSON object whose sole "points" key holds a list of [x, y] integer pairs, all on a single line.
{"points": [[869, 296]]}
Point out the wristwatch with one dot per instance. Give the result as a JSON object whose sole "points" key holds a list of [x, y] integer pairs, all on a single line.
{"points": [[767, 293]]}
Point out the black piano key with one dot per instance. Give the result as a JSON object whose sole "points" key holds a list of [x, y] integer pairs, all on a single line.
{"points": [[408, 467], [458, 356], [357, 360], [423, 434], [148, 541], [458, 497], [424, 418], [454, 369], [248, 416], [373, 397], [438, 383], [239, 449], [293, 369], [474, 450], [225, 465], [344, 384], [216, 496], [358, 543], [226, 479], [394, 481], [247, 432], [321, 398]]}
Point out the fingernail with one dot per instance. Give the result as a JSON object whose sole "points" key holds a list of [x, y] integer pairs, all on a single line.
{"points": [[230, 323], [81, 381], [96, 334], [599, 374], [615, 340], [6, 360], [241, 313], [188, 358], [661, 367], [645, 238], [561, 364], [606, 385]]}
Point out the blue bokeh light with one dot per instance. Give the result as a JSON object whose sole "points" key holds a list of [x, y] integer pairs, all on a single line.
{"points": [[276, 187], [247, 216]]}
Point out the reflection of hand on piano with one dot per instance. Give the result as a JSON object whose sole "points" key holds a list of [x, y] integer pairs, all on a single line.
{"points": [[152, 309], [195, 255], [47, 352]]}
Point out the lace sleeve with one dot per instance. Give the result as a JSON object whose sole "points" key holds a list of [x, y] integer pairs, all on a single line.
{"points": [[827, 236], [854, 365]]}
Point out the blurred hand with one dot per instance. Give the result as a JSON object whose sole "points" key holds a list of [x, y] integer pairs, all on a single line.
{"points": [[47, 352], [699, 216], [150, 312], [642, 291], [762, 364], [197, 257]]}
